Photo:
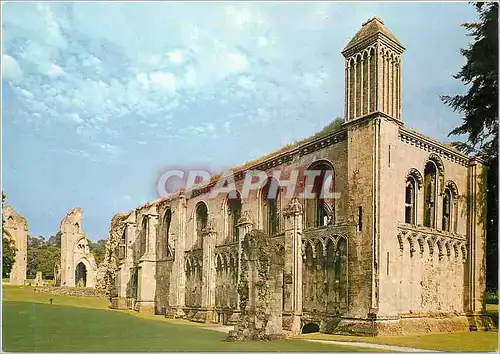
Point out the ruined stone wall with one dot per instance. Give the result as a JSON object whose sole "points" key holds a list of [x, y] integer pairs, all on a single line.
{"points": [[421, 270], [75, 250], [16, 228]]}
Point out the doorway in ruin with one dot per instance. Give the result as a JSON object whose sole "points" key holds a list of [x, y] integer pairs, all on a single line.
{"points": [[310, 328], [81, 275]]}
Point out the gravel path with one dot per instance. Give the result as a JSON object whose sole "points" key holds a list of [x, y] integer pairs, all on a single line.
{"points": [[226, 329]]}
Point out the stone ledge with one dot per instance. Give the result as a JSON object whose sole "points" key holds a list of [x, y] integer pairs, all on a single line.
{"points": [[409, 326], [72, 291]]}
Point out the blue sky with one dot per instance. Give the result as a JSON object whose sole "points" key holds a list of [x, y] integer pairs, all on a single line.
{"points": [[98, 98]]}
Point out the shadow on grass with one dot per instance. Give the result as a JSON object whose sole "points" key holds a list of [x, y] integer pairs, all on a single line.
{"points": [[31, 326]]}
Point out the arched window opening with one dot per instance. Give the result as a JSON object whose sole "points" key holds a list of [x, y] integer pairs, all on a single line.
{"points": [[122, 245], [410, 200], [447, 210], [144, 236], [271, 205], [233, 215], [317, 208], [201, 219], [81, 275], [430, 190], [167, 219]]}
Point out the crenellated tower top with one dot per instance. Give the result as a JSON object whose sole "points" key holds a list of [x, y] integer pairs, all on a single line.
{"points": [[373, 73]]}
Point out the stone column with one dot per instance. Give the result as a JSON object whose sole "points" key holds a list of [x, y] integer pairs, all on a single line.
{"points": [[293, 267], [208, 277], [245, 225], [179, 271], [477, 237], [147, 264]]}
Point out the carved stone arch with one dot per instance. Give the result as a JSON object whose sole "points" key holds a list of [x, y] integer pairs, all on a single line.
{"points": [[358, 57], [341, 238], [411, 243], [313, 247], [371, 50], [351, 61], [452, 187], [324, 242], [401, 243], [447, 245], [421, 242], [430, 243], [364, 54], [437, 161], [308, 248], [464, 252], [455, 249], [439, 243], [415, 173]]}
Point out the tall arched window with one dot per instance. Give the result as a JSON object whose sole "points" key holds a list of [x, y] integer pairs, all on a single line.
{"points": [[447, 210], [201, 220], [167, 220], [430, 190], [410, 200], [271, 206], [122, 245], [144, 236], [233, 214], [317, 209]]}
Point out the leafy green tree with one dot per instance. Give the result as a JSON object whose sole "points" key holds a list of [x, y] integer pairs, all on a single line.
{"points": [[98, 249], [42, 256], [8, 255], [479, 108]]}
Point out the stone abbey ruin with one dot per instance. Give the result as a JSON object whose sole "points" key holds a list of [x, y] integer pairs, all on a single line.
{"points": [[77, 266], [401, 251]]}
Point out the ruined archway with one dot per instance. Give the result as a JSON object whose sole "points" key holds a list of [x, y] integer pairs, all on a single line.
{"points": [[81, 275], [310, 328]]}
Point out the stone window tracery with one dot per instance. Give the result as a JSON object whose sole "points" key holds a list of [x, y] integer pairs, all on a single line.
{"points": [[233, 215], [143, 236], [167, 220], [320, 211], [430, 190], [410, 200], [201, 220], [271, 205]]}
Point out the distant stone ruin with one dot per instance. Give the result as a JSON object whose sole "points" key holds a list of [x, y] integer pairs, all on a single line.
{"points": [[78, 266], [16, 228]]}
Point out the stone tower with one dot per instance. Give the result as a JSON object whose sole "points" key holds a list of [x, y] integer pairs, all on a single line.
{"points": [[16, 228], [78, 267], [373, 72], [372, 119]]}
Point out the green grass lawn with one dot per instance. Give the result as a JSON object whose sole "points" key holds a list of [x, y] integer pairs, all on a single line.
{"points": [[464, 342], [71, 323]]}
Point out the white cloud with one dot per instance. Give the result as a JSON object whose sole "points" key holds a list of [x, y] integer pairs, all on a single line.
{"points": [[164, 80], [262, 41], [55, 71], [237, 62], [190, 76], [227, 126], [10, 68], [176, 56], [75, 117]]}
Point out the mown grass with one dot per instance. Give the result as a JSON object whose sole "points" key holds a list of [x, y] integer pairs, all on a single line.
{"points": [[72, 323], [456, 342]]}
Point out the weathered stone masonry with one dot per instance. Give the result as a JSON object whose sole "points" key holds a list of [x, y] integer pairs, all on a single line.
{"points": [[402, 250]]}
